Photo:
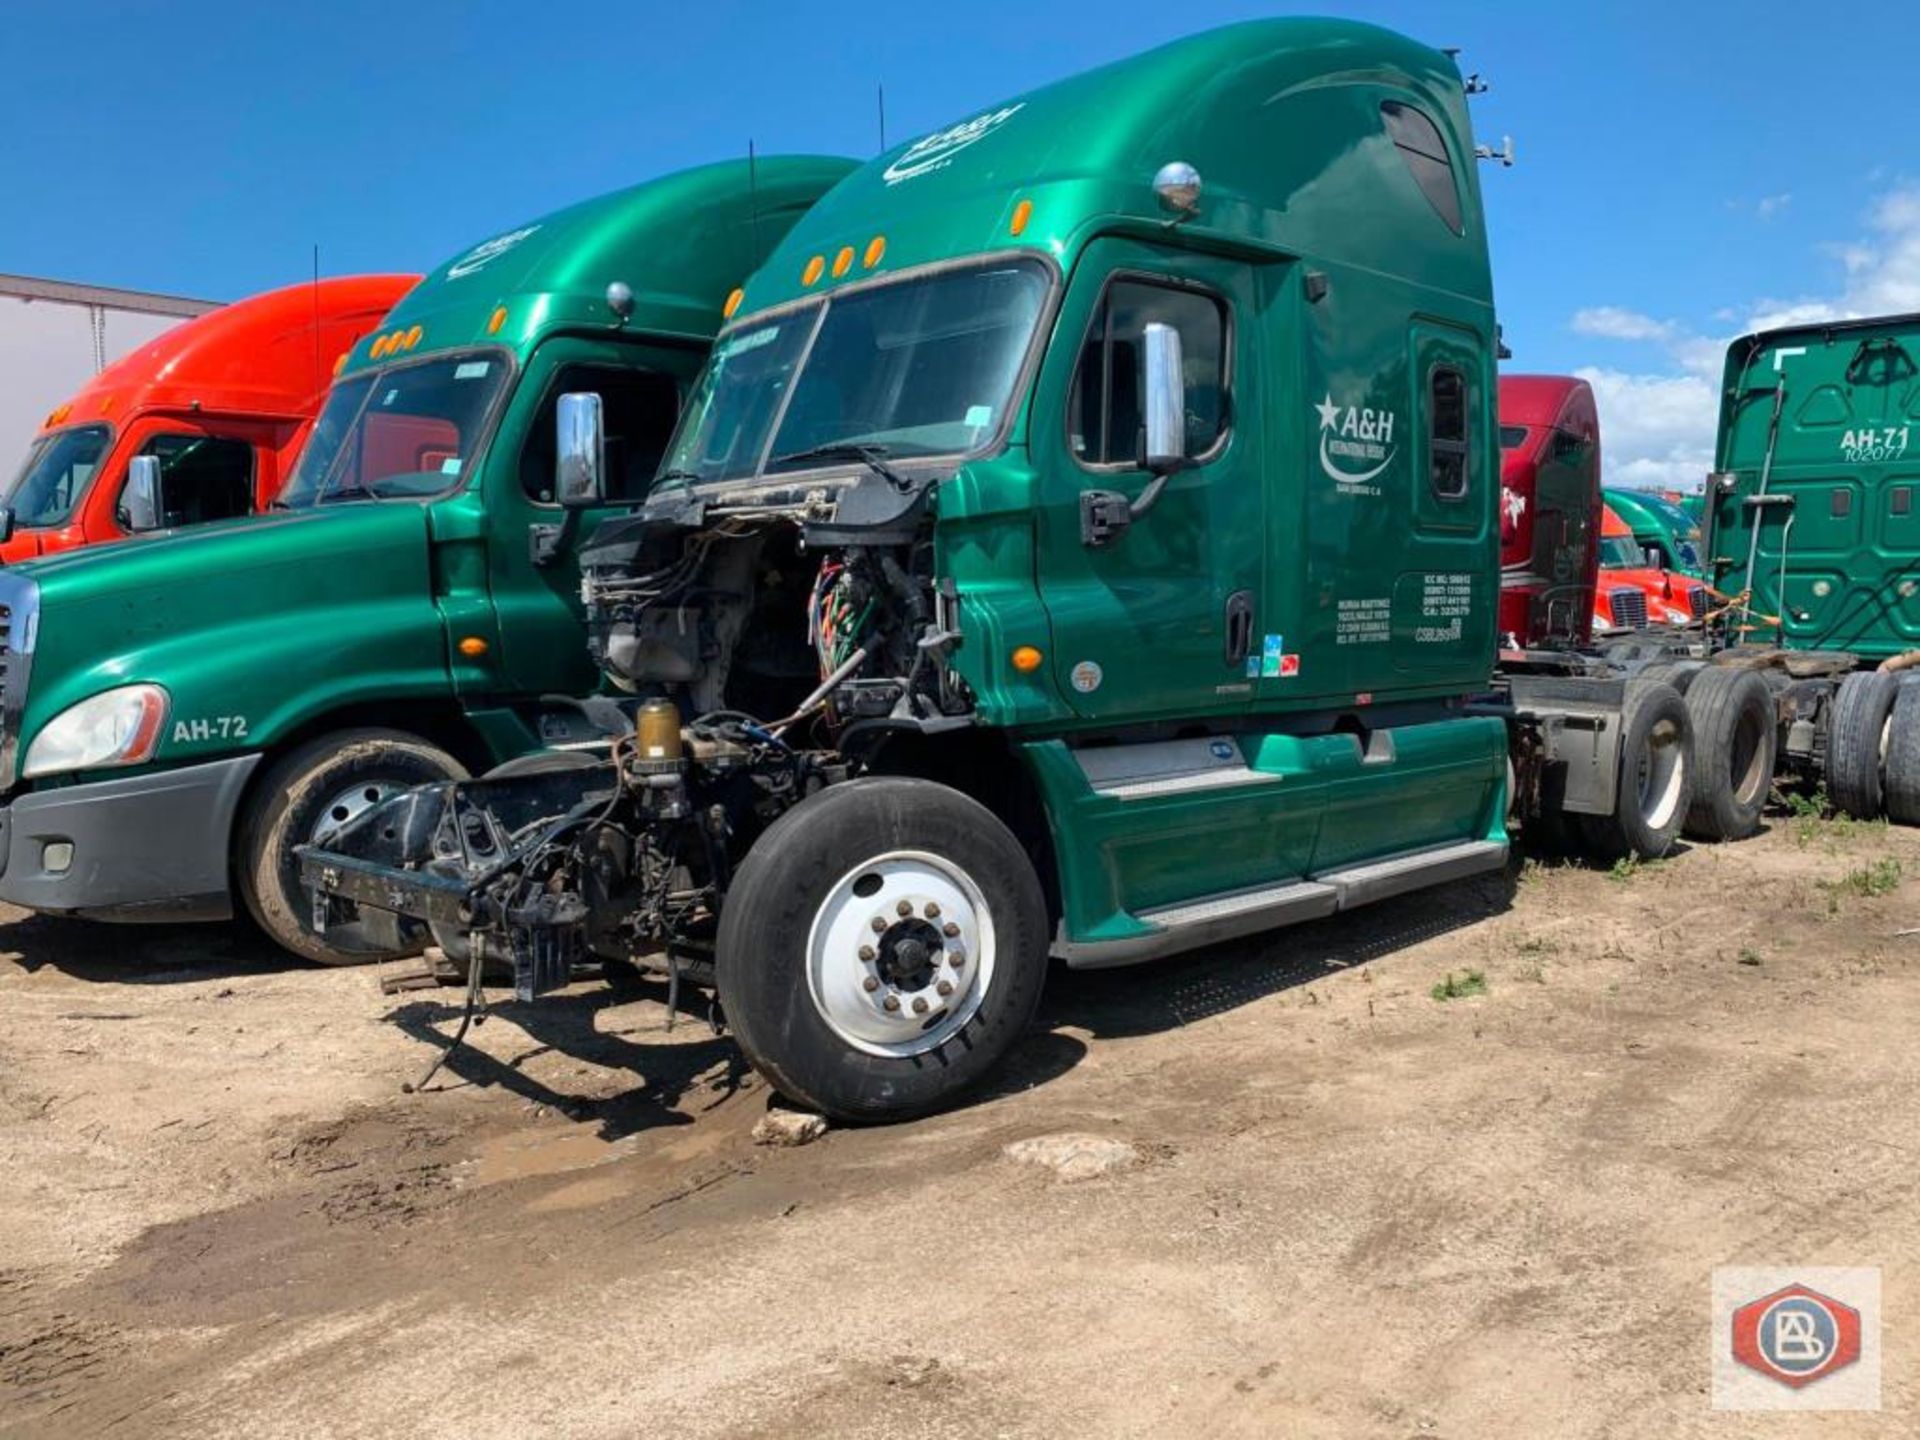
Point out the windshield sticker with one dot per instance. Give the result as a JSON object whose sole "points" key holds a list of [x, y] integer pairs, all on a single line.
{"points": [[470, 370], [450, 465], [388, 398], [1356, 445], [936, 151], [752, 340], [1271, 651], [979, 416], [487, 250]]}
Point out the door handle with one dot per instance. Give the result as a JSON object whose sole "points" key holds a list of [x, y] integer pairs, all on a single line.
{"points": [[1239, 626]]}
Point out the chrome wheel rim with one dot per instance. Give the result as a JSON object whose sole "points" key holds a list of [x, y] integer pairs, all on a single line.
{"points": [[1663, 774], [347, 806], [901, 953]]}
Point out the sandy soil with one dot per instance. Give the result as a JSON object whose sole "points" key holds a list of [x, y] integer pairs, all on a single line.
{"points": [[1357, 1211]]}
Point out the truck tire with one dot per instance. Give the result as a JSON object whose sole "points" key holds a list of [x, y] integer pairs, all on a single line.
{"points": [[1903, 756], [1857, 737], [1656, 753], [1677, 673], [874, 894], [1735, 733], [307, 793]]}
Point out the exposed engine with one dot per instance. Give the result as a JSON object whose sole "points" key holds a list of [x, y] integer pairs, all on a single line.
{"points": [[761, 649]]}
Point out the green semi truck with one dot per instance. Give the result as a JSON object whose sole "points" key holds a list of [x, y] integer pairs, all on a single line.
{"points": [[179, 711], [1082, 542]]}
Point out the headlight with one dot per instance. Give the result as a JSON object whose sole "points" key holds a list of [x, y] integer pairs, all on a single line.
{"points": [[115, 727]]}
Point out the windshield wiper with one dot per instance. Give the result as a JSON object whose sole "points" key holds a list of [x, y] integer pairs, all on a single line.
{"points": [[346, 492], [873, 456]]}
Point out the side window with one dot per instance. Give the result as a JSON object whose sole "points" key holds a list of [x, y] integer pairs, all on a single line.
{"points": [[638, 407], [1418, 140], [202, 478], [1447, 432], [1107, 407]]}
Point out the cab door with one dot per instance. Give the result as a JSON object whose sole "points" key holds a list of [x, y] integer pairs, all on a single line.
{"points": [[207, 473], [1159, 622], [537, 601]]}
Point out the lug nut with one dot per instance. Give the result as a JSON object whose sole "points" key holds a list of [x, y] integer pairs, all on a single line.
{"points": [[904, 909], [919, 1004], [879, 924], [950, 929], [892, 1002], [945, 987], [933, 910], [866, 952], [872, 983], [956, 957]]}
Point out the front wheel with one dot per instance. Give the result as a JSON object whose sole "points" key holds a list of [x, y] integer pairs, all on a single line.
{"points": [[881, 948], [306, 797]]}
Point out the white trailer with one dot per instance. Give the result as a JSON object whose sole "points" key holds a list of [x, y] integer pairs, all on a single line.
{"points": [[56, 336]]}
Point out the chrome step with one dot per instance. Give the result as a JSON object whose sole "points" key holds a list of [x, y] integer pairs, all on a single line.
{"points": [[1236, 913]]}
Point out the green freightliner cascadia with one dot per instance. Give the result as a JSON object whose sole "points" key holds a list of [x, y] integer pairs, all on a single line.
{"points": [[419, 606]]}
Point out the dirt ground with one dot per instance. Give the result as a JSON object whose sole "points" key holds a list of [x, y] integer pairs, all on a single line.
{"points": [[1359, 1210]]}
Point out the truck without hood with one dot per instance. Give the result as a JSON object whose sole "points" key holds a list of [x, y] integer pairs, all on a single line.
{"points": [[177, 712], [1083, 541], [222, 403]]}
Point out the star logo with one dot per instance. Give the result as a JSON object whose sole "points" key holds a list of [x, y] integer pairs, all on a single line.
{"points": [[1329, 413]]}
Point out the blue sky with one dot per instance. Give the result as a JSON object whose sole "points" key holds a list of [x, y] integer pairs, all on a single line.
{"points": [[1685, 168]]}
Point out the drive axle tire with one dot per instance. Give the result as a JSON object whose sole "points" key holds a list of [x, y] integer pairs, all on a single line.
{"points": [[1857, 738], [881, 947], [1903, 756], [1656, 754], [304, 797], [1735, 735]]}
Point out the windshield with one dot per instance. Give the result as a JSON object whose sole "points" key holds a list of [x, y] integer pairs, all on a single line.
{"points": [[56, 474], [1621, 552], [920, 366], [401, 433], [1512, 437]]}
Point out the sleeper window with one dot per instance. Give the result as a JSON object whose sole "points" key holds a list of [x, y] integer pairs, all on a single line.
{"points": [[1106, 411], [1447, 432]]}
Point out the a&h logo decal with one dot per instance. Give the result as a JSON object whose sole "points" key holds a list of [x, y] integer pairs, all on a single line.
{"points": [[1356, 445], [1796, 1340], [932, 152]]}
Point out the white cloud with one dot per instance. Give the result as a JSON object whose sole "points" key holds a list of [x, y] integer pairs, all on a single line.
{"points": [[1611, 322], [1657, 429], [1768, 206]]}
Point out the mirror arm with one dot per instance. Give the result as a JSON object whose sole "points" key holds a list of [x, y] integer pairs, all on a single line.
{"points": [[547, 543]]}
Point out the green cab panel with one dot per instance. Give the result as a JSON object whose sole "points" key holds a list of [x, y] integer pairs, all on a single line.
{"points": [[1142, 827], [1829, 415]]}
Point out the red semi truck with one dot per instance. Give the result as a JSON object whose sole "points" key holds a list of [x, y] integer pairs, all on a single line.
{"points": [[1570, 568], [222, 403]]}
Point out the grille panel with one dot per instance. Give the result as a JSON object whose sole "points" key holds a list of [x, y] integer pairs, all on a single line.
{"points": [[1629, 608]]}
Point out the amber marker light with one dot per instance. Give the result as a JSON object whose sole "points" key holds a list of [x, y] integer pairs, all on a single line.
{"points": [[1027, 659], [733, 304], [815, 268], [843, 262], [472, 646], [876, 247], [496, 320], [340, 363], [413, 336], [1022, 213]]}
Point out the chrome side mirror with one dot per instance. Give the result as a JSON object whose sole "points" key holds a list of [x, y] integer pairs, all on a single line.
{"points": [[580, 478], [6, 523], [140, 500], [1166, 400]]}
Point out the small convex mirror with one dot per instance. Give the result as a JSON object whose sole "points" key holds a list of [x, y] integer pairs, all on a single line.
{"points": [[580, 456], [140, 501], [1166, 399]]}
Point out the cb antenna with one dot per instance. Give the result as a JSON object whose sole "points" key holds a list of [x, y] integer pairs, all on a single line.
{"points": [[880, 96], [1472, 84], [753, 199]]}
